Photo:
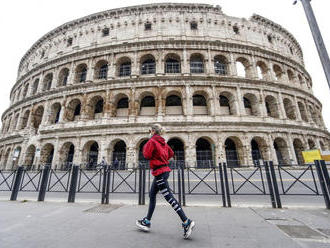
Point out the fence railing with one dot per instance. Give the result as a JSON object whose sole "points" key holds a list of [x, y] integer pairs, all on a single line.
{"points": [[275, 182]]}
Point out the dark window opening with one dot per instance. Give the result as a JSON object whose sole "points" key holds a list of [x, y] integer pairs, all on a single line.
{"points": [[57, 118], [99, 107], [173, 101], [220, 67], [193, 26], [231, 153], [148, 101], [147, 26], [105, 32], [125, 69], [82, 75], [103, 72], [236, 29], [247, 103], [148, 67], [77, 109], [123, 103], [69, 42], [172, 66], [224, 102], [270, 39], [199, 100]]}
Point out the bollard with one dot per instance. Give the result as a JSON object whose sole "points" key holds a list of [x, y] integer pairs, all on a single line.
{"points": [[275, 185], [226, 184], [107, 190], [44, 181], [104, 184], [322, 184], [183, 186], [270, 185], [224, 204], [73, 184], [143, 185], [140, 184], [17, 183]]}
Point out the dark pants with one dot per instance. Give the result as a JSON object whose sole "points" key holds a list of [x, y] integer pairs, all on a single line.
{"points": [[160, 184]]}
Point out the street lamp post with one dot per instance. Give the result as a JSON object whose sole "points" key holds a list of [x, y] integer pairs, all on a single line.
{"points": [[317, 38]]}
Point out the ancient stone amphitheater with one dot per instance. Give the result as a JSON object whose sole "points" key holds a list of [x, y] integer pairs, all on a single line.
{"points": [[225, 88]]}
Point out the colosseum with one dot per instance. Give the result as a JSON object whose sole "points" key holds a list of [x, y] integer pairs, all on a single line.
{"points": [[225, 88]]}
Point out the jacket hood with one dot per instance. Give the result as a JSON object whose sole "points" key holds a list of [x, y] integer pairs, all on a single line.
{"points": [[159, 139]]}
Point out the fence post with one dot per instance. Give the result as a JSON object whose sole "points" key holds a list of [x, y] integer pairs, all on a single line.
{"points": [[183, 186], [44, 181], [275, 185], [143, 184], [104, 184], [73, 184], [270, 186], [17, 183], [322, 183], [107, 190], [140, 183], [224, 204], [226, 184], [179, 185], [326, 175]]}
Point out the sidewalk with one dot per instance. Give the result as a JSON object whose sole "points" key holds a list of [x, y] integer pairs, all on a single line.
{"points": [[54, 224]]}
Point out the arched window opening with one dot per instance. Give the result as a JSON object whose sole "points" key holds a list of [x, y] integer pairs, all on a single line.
{"points": [[25, 119], [35, 86], [47, 154], [178, 149], [92, 156], [48, 82], [26, 88], [232, 157], [289, 109], [147, 106], [241, 72], [290, 75], [77, 110], [277, 72], [247, 106], [70, 155], [103, 72], [204, 153], [196, 64], [37, 117], [122, 107], [172, 64], [302, 111], [220, 65], [148, 66], [199, 105], [224, 105], [63, 77], [81, 73], [271, 107], [282, 152], [55, 113], [173, 105], [125, 68], [142, 159], [311, 144], [29, 156], [255, 152], [119, 155], [98, 107]]}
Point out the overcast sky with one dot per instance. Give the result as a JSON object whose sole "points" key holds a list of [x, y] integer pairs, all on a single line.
{"points": [[23, 22]]}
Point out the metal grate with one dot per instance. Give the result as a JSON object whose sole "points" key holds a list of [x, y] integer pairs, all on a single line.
{"points": [[103, 209]]}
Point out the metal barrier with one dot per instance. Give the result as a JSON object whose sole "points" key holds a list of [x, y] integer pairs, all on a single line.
{"points": [[7, 179]]}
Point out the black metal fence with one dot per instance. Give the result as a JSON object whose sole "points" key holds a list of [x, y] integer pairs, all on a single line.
{"points": [[274, 182]]}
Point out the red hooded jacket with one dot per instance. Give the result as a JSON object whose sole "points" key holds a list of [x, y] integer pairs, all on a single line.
{"points": [[158, 152]]}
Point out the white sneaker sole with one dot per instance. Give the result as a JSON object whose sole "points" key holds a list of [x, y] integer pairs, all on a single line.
{"points": [[143, 228], [191, 228]]}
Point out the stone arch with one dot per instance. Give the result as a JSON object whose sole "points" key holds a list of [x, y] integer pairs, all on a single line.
{"points": [[278, 72], [47, 83], [173, 103], [91, 152], [81, 73], [227, 103], [177, 145], [220, 65], [35, 86], [290, 76], [37, 117], [204, 152], [73, 110], [313, 114], [118, 155], [124, 66], [16, 122], [282, 151], [172, 63], [147, 104], [148, 64], [47, 154], [5, 162], [25, 119], [302, 111], [298, 149], [95, 107], [200, 103], [55, 112], [66, 154], [242, 67], [311, 144], [29, 156], [262, 70], [196, 63], [140, 145], [301, 80], [323, 146], [16, 156], [101, 69], [122, 105], [234, 151], [272, 106], [63, 77], [251, 104], [290, 109]]}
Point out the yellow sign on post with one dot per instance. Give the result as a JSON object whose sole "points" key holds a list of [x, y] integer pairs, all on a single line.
{"points": [[311, 155]]}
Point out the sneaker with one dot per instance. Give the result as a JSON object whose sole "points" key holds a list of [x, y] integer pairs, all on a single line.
{"points": [[188, 228], [143, 224]]}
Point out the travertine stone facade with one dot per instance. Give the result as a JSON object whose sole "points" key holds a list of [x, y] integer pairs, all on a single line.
{"points": [[225, 88]]}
